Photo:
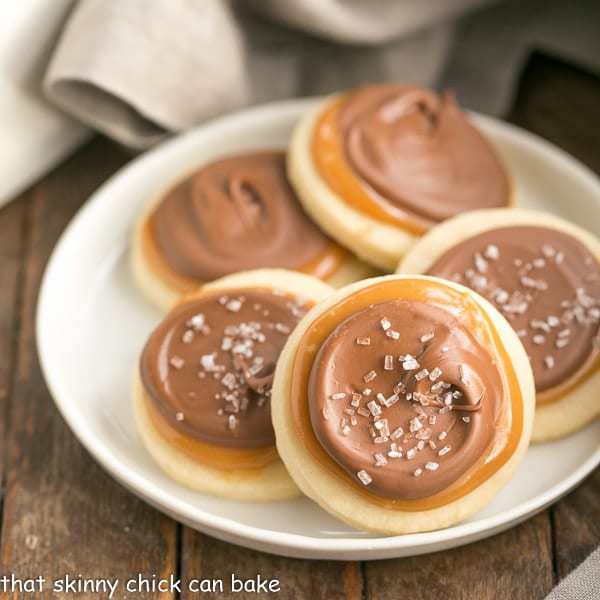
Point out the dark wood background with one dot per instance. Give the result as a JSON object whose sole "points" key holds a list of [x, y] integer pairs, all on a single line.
{"points": [[62, 514]]}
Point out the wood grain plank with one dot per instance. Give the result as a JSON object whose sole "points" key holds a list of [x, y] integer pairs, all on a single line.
{"points": [[206, 558], [62, 514], [576, 525], [560, 102], [515, 565], [11, 254]]}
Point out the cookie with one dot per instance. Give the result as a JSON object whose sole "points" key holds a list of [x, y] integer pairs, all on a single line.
{"points": [[234, 214], [543, 274], [379, 166], [202, 393], [402, 404]]}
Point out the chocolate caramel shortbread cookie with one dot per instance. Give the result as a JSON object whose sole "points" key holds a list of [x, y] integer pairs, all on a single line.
{"points": [[402, 404], [378, 166], [233, 214], [202, 394], [543, 274]]}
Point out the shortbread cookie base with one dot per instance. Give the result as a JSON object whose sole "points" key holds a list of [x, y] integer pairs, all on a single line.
{"points": [[267, 484], [341, 498], [581, 405], [154, 289], [164, 296], [263, 485]]}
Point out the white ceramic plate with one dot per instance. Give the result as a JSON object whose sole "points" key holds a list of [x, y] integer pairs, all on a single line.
{"points": [[92, 323]]}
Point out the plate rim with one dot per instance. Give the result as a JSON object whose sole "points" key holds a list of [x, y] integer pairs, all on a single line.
{"points": [[290, 544]]}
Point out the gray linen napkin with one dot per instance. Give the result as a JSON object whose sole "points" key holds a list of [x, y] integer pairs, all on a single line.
{"points": [[581, 584], [138, 70]]}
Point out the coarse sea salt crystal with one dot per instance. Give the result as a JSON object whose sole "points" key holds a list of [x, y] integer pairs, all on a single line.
{"points": [[364, 477]]}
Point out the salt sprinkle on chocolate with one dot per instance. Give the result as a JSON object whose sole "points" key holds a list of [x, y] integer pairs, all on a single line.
{"points": [[491, 252], [380, 459], [397, 433], [415, 425], [177, 362], [435, 374], [374, 408], [421, 374], [234, 305], [391, 400], [281, 328], [369, 376], [409, 363], [196, 322], [364, 477]]}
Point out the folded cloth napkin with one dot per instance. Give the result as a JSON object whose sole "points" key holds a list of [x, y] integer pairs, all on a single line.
{"points": [[581, 584], [138, 70]]}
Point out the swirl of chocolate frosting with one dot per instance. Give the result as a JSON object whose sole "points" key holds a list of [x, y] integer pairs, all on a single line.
{"points": [[404, 398], [546, 283], [419, 152], [208, 367], [235, 214]]}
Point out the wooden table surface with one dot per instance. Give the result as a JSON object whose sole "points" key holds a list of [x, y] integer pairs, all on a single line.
{"points": [[62, 514]]}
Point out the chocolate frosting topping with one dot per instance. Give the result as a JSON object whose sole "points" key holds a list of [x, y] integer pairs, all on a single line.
{"points": [[546, 283], [404, 398], [208, 367], [419, 152], [235, 214]]}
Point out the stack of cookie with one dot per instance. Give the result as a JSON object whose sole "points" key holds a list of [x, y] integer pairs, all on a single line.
{"points": [[288, 362]]}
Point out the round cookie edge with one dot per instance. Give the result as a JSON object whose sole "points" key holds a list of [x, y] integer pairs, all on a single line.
{"points": [[580, 406], [334, 496], [274, 482]]}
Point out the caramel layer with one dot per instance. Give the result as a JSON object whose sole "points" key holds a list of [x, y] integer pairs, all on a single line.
{"points": [[589, 369], [509, 426], [328, 156], [218, 457]]}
